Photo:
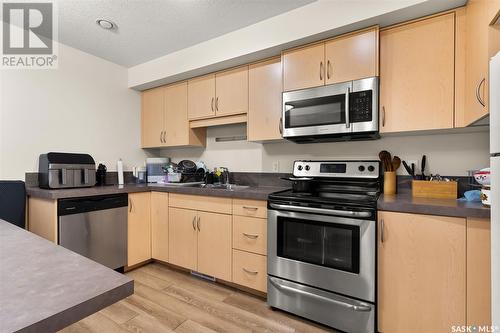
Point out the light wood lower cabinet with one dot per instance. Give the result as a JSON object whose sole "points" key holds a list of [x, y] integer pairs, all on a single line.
{"points": [[159, 226], [250, 270], [214, 245], [139, 228], [250, 234], [201, 241], [422, 273], [182, 238], [478, 272]]}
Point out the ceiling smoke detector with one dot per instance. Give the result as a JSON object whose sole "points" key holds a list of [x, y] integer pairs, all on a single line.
{"points": [[105, 24]]}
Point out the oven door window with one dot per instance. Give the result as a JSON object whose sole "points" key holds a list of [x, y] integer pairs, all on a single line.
{"points": [[329, 110], [326, 244]]}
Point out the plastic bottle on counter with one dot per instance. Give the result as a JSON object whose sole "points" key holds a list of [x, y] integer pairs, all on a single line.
{"points": [[119, 169]]}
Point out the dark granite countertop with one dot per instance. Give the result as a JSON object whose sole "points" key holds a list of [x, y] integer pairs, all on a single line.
{"points": [[405, 203], [402, 202], [45, 287], [252, 192]]}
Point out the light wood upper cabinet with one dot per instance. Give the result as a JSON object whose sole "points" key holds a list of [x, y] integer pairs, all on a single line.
{"points": [[478, 272], [417, 75], [152, 117], [421, 275], [182, 238], [304, 67], [352, 57], [139, 228], [214, 245], [164, 118], [264, 100], [159, 226], [476, 61], [201, 97], [231, 89]]}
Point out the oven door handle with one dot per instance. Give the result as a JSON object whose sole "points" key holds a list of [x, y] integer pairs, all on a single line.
{"points": [[347, 120], [348, 213], [363, 308]]}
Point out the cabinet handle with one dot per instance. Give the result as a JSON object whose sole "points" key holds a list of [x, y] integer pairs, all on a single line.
{"points": [[130, 205], [161, 135], [217, 104], [250, 236], [198, 224], [382, 238], [321, 70], [347, 120], [328, 69], [383, 116], [280, 126], [194, 223], [250, 208], [165, 137], [250, 272], [212, 104], [478, 92]]}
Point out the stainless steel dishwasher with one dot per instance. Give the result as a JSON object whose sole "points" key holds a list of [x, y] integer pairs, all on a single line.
{"points": [[95, 227]]}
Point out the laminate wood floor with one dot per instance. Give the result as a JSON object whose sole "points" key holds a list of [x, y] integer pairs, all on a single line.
{"points": [[166, 300]]}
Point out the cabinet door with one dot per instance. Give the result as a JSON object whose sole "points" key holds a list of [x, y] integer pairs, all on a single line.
{"points": [[421, 272], [304, 67], [159, 226], [352, 57], [478, 272], [231, 89], [182, 237], [417, 75], [264, 100], [201, 97], [152, 117], [477, 60], [214, 245], [139, 228]]}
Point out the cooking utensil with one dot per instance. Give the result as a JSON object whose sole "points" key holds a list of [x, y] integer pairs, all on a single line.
{"points": [[422, 166], [300, 184], [408, 169], [186, 166], [396, 163], [385, 158], [413, 170]]}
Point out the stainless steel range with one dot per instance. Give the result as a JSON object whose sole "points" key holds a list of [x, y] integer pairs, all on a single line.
{"points": [[322, 244]]}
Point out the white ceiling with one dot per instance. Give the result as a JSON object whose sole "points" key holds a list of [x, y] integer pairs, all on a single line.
{"points": [[148, 29]]}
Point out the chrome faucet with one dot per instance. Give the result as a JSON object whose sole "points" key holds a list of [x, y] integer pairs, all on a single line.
{"points": [[225, 175]]}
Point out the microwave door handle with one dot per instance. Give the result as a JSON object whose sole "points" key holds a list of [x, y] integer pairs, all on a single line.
{"points": [[347, 120]]}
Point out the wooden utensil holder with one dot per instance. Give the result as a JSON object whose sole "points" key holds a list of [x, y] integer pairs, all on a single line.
{"points": [[434, 189], [390, 182]]}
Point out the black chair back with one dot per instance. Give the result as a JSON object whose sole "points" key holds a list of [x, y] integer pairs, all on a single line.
{"points": [[13, 202]]}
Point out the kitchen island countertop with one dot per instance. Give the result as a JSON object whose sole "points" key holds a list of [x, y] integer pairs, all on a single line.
{"points": [[45, 287]]}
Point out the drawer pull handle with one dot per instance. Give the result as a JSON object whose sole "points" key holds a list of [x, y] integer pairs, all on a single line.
{"points": [[194, 223], [250, 208], [250, 236], [250, 272]]}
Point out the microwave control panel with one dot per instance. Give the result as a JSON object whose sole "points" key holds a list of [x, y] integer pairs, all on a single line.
{"points": [[360, 106]]}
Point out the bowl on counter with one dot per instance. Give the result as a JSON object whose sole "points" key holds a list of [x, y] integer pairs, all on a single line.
{"points": [[483, 177]]}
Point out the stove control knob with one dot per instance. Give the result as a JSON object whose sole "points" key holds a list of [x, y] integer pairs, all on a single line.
{"points": [[371, 168], [299, 167], [308, 167], [361, 168]]}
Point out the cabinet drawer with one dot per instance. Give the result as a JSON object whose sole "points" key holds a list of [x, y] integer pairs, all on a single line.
{"points": [[250, 234], [252, 208], [202, 203], [250, 270]]}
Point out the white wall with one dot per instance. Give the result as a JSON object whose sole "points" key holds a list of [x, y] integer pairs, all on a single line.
{"points": [[83, 106], [447, 154], [315, 21]]}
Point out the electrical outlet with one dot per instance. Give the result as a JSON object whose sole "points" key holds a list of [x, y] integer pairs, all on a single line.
{"points": [[276, 166]]}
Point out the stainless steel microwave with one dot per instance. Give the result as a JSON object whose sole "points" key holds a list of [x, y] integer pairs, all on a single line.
{"points": [[337, 112]]}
